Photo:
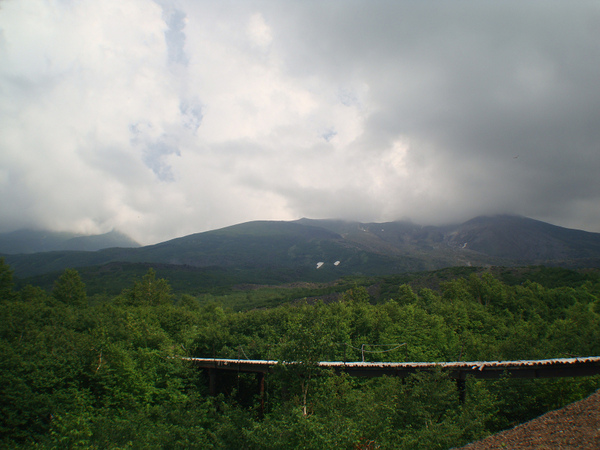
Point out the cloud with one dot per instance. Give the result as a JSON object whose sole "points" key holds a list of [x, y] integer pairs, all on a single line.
{"points": [[167, 117]]}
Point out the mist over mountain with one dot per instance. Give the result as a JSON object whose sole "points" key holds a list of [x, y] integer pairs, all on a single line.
{"points": [[308, 249], [35, 241]]}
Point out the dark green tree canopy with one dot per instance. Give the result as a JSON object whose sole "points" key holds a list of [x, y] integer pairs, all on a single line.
{"points": [[70, 289], [150, 291], [6, 281], [110, 374]]}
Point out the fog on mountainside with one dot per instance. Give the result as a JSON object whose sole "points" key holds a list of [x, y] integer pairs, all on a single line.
{"points": [[34, 241]]}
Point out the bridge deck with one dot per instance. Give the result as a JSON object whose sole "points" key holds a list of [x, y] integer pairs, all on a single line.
{"points": [[544, 368]]}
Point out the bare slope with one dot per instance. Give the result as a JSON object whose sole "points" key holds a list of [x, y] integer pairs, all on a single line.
{"points": [[576, 426]]}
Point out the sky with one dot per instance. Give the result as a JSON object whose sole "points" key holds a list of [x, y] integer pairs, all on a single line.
{"points": [[162, 118]]}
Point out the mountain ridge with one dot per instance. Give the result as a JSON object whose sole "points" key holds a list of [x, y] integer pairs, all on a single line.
{"points": [[328, 249]]}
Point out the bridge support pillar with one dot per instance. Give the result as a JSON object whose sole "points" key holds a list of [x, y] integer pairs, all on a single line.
{"points": [[461, 385], [261, 391], [212, 382]]}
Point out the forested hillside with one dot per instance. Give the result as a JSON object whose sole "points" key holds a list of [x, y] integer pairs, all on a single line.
{"points": [[105, 371]]}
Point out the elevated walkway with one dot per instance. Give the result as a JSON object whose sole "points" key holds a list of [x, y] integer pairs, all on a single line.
{"points": [[458, 370], [540, 368]]}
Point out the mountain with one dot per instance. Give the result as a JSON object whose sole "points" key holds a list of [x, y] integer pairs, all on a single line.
{"points": [[501, 238], [35, 241], [527, 240], [320, 250]]}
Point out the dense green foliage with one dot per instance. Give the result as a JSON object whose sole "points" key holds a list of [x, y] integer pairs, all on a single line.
{"points": [[104, 371]]}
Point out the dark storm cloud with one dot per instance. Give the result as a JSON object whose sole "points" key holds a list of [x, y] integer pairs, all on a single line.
{"points": [[487, 92]]}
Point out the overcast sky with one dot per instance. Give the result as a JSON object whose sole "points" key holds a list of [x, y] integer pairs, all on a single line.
{"points": [[162, 118]]}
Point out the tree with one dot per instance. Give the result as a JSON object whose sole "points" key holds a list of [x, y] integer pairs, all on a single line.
{"points": [[406, 295], [70, 289], [358, 295], [6, 281], [150, 291]]}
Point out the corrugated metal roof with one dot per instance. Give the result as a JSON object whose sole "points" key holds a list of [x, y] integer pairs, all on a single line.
{"points": [[469, 365], [465, 364], [226, 362]]}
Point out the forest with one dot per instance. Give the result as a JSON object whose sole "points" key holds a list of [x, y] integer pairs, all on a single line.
{"points": [[106, 371]]}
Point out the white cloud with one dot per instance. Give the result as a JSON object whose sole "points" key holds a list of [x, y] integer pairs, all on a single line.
{"points": [[259, 32], [167, 117]]}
